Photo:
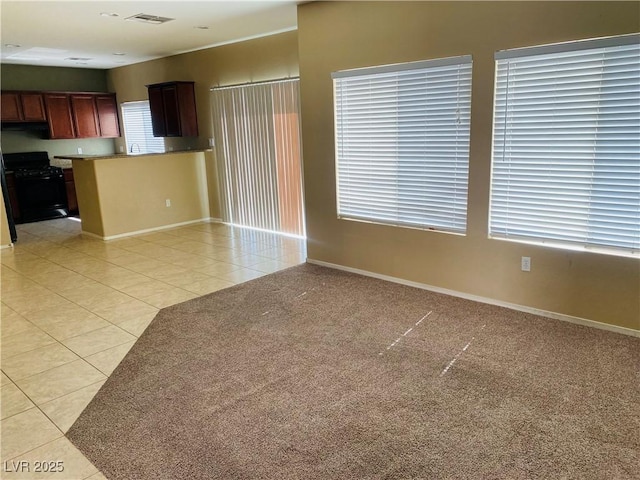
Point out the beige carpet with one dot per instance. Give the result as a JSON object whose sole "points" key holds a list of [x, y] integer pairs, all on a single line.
{"points": [[312, 373]]}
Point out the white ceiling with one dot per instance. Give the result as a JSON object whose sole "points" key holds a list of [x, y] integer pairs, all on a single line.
{"points": [[75, 34]]}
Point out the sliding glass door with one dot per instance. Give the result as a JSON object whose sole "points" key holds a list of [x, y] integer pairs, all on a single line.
{"points": [[257, 136]]}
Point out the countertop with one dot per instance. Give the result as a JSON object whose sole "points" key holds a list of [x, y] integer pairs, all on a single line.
{"points": [[122, 155]]}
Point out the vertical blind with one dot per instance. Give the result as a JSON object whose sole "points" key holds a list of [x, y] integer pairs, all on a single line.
{"points": [[566, 147], [257, 131], [138, 133], [402, 143]]}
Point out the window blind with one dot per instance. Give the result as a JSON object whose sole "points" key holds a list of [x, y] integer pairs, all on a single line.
{"points": [[138, 133], [566, 146], [402, 143], [258, 145]]}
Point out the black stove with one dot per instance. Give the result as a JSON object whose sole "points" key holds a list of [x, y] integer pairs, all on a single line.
{"points": [[39, 186], [37, 172]]}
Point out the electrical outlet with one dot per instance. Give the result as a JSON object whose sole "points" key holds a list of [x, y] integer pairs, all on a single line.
{"points": [[525, 264], [167, 202], [121, 149], [79, 150], [212, 142]]}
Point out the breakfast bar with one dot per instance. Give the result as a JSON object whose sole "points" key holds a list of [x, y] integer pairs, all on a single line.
{"points": [[121, 195]]}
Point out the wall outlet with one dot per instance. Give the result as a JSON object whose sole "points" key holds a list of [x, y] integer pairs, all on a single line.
{"points": [[79, 150], [525, 264], [212, 142], [121, 149], [167, 202]]}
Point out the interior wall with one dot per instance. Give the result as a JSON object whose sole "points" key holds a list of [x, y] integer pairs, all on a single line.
{"points": [[265, 58], [343, 35], [28, 77]]}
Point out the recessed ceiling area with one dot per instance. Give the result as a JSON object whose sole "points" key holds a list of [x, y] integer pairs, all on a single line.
{"points": [[99, 34]]}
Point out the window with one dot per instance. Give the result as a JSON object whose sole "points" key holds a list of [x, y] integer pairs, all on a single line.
{"points": [[402, 143], [257, 131], [566, 145], [137, 129]]}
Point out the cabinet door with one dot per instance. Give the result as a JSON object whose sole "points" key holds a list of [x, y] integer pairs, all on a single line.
{"points": [[33, 107], [58, 109], [187, 106], [85, 116], [11, 110], [156, 105], [70, 186], [171, 111], [108, 116]]}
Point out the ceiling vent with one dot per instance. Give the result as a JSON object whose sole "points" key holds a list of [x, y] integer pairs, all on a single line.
{"points": [[146, 18], [78, 59]]}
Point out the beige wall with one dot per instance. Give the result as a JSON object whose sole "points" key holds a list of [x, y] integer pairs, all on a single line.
{"points": [[127, 194], [341, 35], [265, 58]]}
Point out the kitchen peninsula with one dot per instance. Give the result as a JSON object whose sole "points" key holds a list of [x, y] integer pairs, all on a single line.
{"points": [[120, 195]]}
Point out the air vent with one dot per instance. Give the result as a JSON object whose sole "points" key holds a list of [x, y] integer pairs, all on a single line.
{"points": [[78, 59], [146, 18]]}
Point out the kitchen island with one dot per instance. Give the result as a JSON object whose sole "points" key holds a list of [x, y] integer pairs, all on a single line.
{"points": [[120, 195]]}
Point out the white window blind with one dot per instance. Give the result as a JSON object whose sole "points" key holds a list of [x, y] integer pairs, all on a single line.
{"points": [[137, 129], [402, 143], [566, 146]]}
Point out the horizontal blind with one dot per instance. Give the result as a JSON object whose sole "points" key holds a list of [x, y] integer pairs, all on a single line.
{"points": [[138, 132], [402, 143], [566, 147]]}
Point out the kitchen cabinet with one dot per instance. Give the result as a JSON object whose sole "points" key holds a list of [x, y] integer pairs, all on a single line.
{"points": [[173, 109], [58, 106], [22, 107], [85, 115], [82, 115], [108, 115], [70, 187]]}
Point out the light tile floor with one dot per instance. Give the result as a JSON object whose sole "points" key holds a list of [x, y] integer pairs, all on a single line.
{"points": [[73, 306]]}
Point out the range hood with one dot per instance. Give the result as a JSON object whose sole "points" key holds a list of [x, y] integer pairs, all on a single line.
{"points": [[24, 126]]}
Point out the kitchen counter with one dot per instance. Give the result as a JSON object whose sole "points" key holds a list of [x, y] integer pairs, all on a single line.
{"points": [[60, 162], [123, 155], [121, 195]]}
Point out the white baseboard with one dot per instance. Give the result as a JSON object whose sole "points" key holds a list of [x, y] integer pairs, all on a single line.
{"points": [[146, 230], [490, 301], [6, 246]]}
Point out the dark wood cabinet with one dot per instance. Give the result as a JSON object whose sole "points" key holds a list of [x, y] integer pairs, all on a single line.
{"points": [[33, 107], [11, 109], [22, 107], [173, 109], [70, 186], [85, 115], [58, 106], [82, 115], [107, 108]]}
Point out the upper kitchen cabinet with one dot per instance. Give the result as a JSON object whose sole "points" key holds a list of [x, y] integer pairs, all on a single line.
{"points": [[58, 106], [108, 115], [82, 115], [22, 107], [85, 115], [173, 109]]}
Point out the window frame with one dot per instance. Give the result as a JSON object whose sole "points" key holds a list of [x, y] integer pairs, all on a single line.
{"points": [[404, 199], [591, 229], [158, 142]]}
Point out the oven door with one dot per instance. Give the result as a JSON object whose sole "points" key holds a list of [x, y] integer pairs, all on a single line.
{"points": [[41, 197]]}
